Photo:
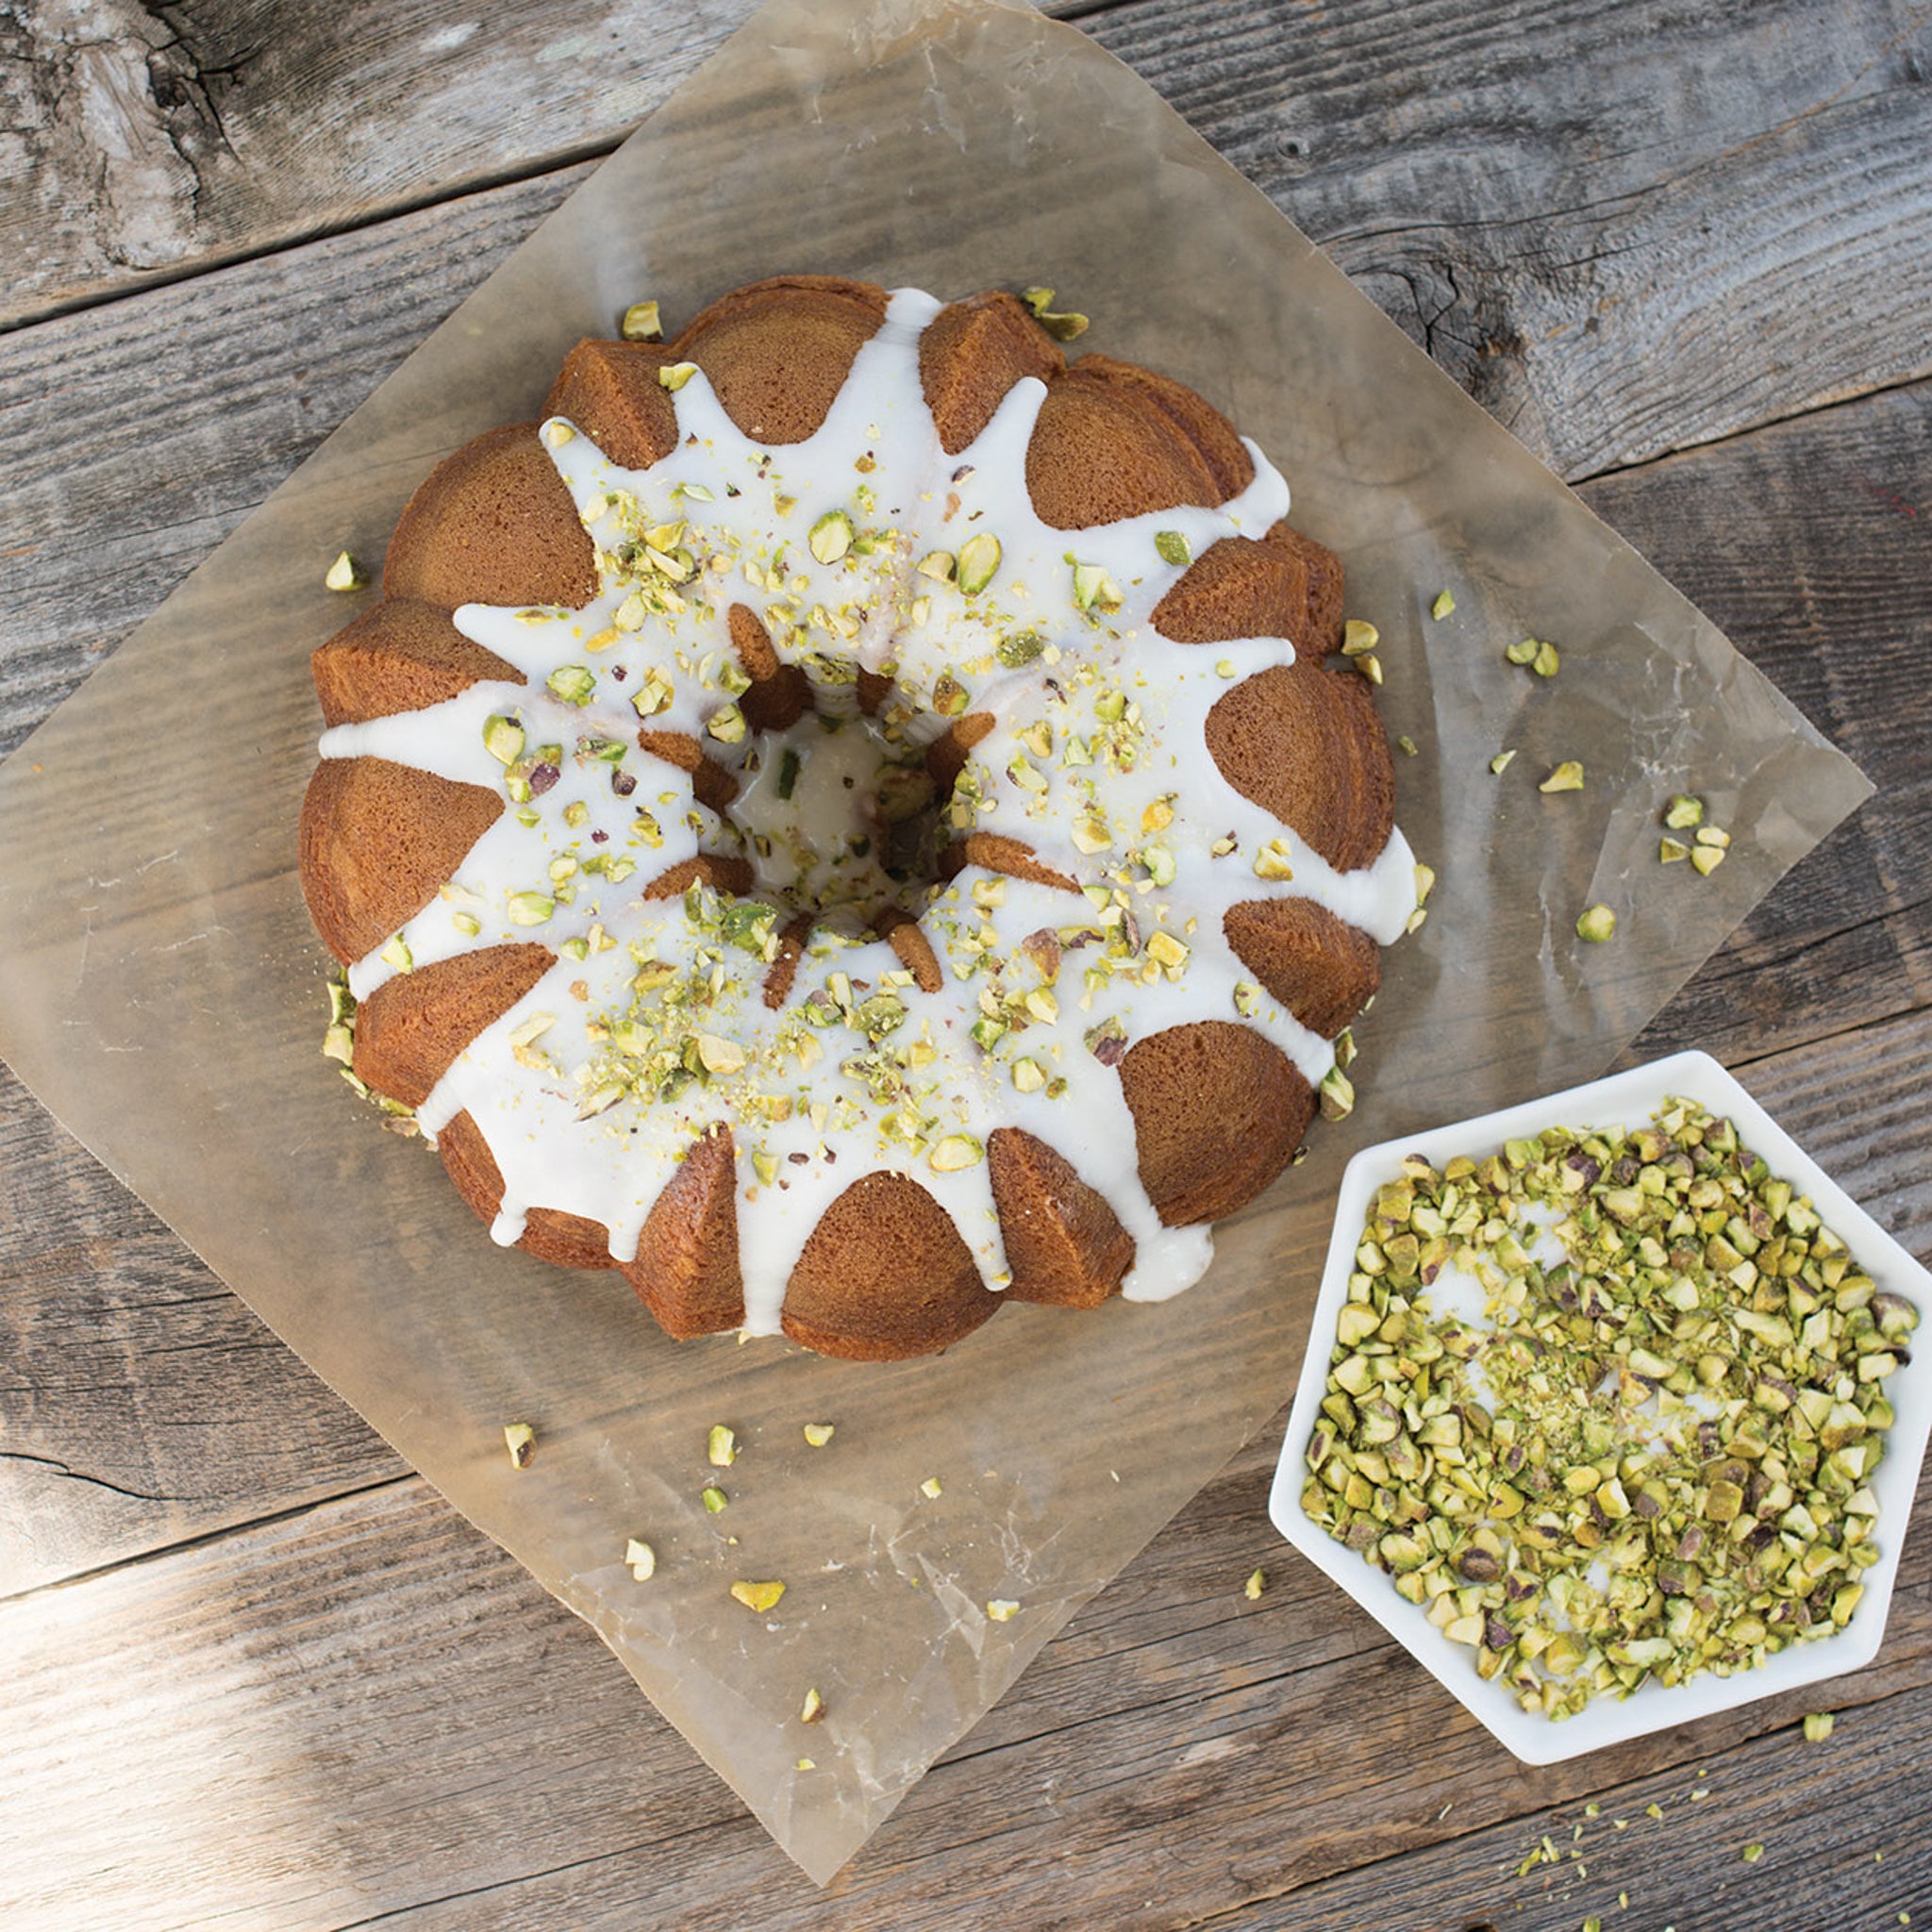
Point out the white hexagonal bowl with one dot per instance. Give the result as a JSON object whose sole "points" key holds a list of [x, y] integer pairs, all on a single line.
{"points": [[1627, 1099]]}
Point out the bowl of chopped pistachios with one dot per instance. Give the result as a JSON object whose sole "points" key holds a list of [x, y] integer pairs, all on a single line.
{"points": [[1609, 1412]]}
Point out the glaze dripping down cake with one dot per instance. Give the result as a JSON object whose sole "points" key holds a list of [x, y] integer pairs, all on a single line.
{"points": [[847, 821]]}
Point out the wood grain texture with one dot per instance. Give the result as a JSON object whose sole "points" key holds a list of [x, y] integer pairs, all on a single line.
{"points": [[141, 1403], [1811, 545], [1556, 201]]}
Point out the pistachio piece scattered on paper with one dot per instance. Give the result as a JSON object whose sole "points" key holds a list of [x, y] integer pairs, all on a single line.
{"points": [[641, 323]]}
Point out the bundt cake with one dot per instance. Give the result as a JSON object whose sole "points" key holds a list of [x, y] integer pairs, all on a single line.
{"points": [[847, 819]]}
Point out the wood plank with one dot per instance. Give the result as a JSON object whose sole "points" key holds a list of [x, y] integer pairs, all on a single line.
{"points": [[1810, 544], [366, 1710], [1842, 1831], [1593, 221], [143, 1403]]}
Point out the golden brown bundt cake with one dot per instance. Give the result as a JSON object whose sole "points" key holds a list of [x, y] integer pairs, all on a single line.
{"points": [[848, 820]]}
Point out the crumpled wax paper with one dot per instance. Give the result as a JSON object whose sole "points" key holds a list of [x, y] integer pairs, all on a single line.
{"points": [[162, 992]]}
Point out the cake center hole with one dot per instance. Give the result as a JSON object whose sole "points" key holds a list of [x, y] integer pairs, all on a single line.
{"points": [[836, 821]]}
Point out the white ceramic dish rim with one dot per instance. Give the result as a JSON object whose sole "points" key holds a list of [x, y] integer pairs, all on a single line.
{"points": [[1621, 1099]]}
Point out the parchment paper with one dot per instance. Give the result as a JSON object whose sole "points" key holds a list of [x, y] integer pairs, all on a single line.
{"points": [[162, 990]]}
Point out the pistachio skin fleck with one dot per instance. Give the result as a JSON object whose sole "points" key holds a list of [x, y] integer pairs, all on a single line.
{"points": [[1652, 1458]]}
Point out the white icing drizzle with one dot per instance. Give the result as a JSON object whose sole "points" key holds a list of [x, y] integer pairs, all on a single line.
{"points": [[651, 1025]]}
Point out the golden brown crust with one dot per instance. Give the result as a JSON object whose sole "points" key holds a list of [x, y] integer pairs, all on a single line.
{"points": [[783, 966], [1198, 1161], [778, 352], [1239, 588], [400, 656], [686, 1271], [970, 353], [377, 843], [946, 756], [611, 393], [1321, 968], [996, 852], [494, 523], [1307, 744], [913, 949], [780, 693], [567, 1241], [710, 784], [707, 869], [885, 1276], [410, 1029], [1064, 1244], [1113, 442], [1324, 623]]}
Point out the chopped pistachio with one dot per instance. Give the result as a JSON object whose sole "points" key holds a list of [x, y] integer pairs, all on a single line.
{"points": [[978, 562], [932, 1489], [1094, 590], [1568, 776], [1596, 923], [1818, 1726], [520, 1438], [530, 908], [721, 1446], [1653, 1476], [1670, 851], [1443, 604], [719, 1055], [396, 953], [1523, 652], [818, 1434], [831, 536], [813, 1709], [1713, 835], [1337, 1095], [758, 1596], [1406, 745], [1062, 327], [954, 1152], [1256, 1583], [1370, 666], [1358, 638], [1751, 1853], [1271, 861], [673, 375], [1171, 546], [1683, 811], [572, 683], [344, 573], [641, 323], [1002, 1609], [1500, 763], [940, 565], [1706, 859], [712, 1497], [640, 1559]]}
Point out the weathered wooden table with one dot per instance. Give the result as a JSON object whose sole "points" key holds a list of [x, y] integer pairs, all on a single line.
{"points": [[255, 1672]]}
